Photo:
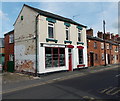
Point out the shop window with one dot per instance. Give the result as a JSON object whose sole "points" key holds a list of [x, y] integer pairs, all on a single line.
{"points": [[62, 56], [54, 57], [80, 54], [50, 30], [48, 57], [67, 33]]}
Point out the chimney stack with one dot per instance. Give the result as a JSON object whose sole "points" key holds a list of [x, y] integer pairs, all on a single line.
{"points": [[89, 32], [100, 35]]}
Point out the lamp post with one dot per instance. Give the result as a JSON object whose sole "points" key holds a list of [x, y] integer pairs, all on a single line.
{"points": [[104, 42]]}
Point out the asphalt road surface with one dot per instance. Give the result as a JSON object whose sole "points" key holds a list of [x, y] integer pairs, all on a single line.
{"points": [[100, 85]]}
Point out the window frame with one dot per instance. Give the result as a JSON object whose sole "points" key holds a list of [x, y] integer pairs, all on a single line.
{"points": [[11, 38], [51, 25], [67, 29], [52, 54], [11, 57], [102, 45], [103, 57], [79, 56], [79, 35], [95, 45]]}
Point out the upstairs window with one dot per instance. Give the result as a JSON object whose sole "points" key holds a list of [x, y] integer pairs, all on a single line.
{"points": [[50, 30], [79, 35], [67, 33], [11, 38], [110, 46], [102, 56], [95, 45], [102, 45], [107, 46]]}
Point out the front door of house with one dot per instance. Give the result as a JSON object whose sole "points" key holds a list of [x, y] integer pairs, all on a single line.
{"points": [[91, 59], [108, 58], [70, 58]]}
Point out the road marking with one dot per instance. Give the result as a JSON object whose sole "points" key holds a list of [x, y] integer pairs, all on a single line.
{"points": [[103, 91], [117, 75], [108, 92], [116, 92], [87, 97]]}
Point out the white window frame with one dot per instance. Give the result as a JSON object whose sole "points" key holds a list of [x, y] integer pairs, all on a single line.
{"points": [[79, 34], [102, 56], [102, 45], [52, 25], [11, 57], [67, 29], [11, 38], [107, 46]]}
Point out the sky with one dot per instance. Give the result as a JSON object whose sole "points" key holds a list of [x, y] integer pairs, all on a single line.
{"points": [[90, 14]]}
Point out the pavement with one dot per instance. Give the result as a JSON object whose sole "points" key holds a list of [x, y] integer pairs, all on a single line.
{"points": [[16, 81]]}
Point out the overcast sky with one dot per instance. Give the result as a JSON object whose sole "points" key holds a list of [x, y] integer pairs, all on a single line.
{"points": [[90, 14]]}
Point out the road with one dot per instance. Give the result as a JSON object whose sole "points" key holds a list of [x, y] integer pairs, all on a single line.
{"points": [[100, 85]]}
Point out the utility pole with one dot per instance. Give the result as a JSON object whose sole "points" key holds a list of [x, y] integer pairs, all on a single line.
{"points": [[104, 41]]}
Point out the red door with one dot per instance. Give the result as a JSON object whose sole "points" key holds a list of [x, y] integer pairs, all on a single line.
{"points": [[70, 62], [70, 59]]}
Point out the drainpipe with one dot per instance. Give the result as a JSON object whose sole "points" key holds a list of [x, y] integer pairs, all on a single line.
{"points": [[36, 43]]}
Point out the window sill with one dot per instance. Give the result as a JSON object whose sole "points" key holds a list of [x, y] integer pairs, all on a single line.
{"points": [[80, 43], [53, 40], [81, 65], [67, 41]]}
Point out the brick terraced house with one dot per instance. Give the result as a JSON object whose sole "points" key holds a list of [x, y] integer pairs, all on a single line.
{"points": [[95, 49], [9, 51]]}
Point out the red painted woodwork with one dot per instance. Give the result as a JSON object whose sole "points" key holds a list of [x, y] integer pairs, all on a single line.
{"points": [[80, 47], [70, 46], [70, 62], [81, 65]]}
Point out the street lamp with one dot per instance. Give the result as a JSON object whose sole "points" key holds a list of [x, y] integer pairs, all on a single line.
{"points": [[104, 42]]}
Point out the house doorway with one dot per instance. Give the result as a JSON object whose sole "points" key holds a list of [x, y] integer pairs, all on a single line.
{"points": [[108, 58], [91, 59]]}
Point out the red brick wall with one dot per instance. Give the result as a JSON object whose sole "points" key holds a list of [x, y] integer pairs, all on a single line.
{"points": [[99, 51], [95, 51], [9, 48]]}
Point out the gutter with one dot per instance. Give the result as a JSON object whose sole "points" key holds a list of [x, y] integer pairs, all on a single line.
{"points": [[36, 43]]}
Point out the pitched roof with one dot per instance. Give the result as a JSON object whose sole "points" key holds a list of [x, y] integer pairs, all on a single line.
{"points": [[101, 40], [48, 14], [12, 31]]}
